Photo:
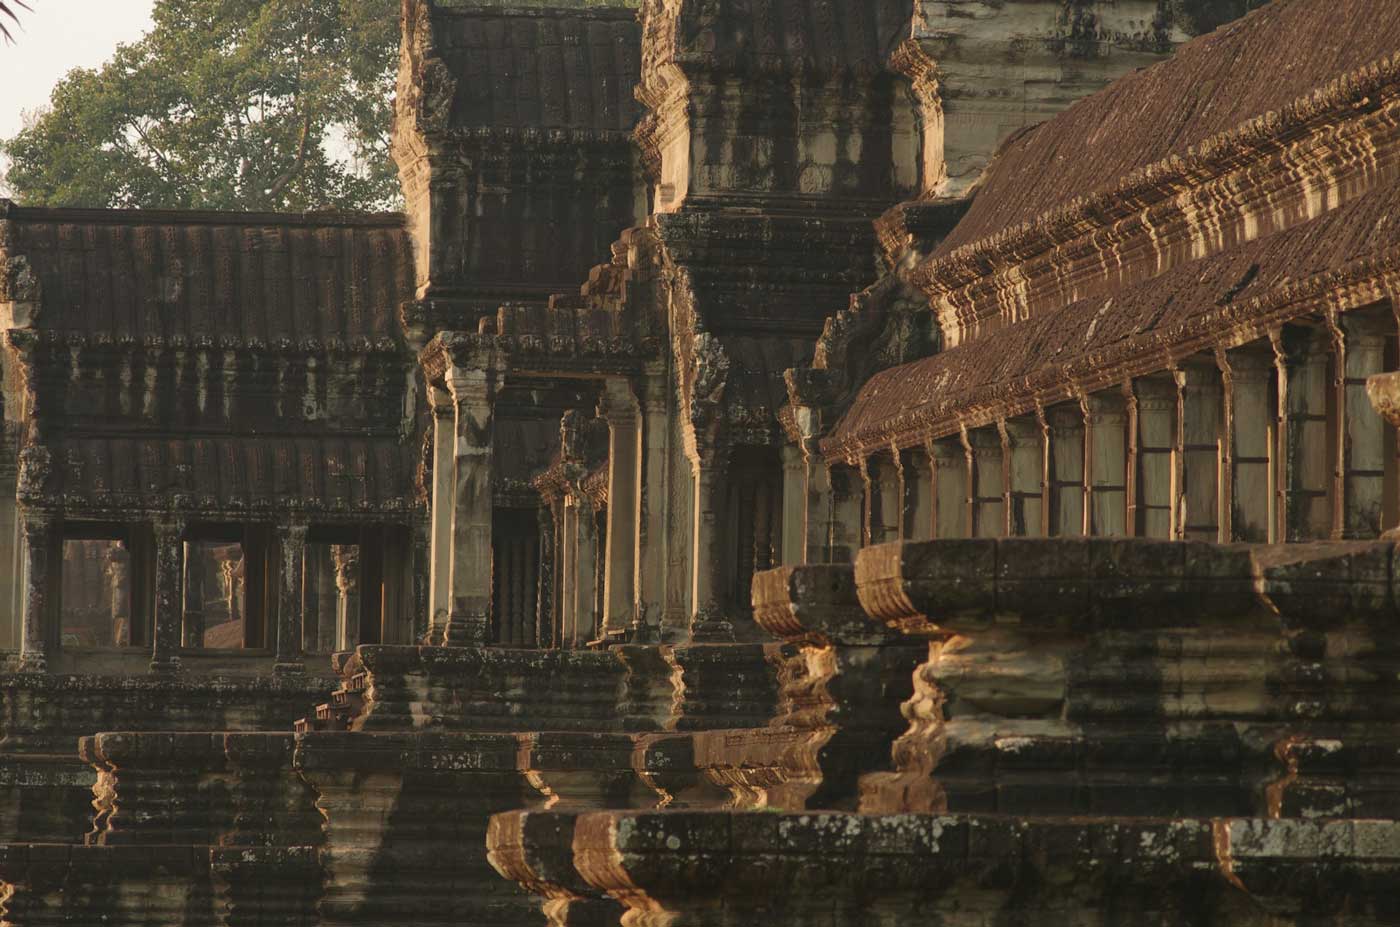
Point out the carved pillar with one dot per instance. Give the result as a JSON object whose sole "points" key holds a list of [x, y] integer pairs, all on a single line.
{"points": [[1106, 420], [43, 558], [794, 511], [291, 580], [192, 624], [327, 599], [618, 406], [474, 394], [847, 525], [656, 439], [1066, 427], [1360, 341], [1156, 403], [810, 508], [1023, 450], [887, 510], [950, 488], [584, 622], [708, 619], [918, 495], [347, 605], [988, 483], [169, 599], [1200, 409], [1301, 358], [545, 590], [11, 544], [867, 501], [440, 525], [1249, 428], [119, 595], [568, 572]]}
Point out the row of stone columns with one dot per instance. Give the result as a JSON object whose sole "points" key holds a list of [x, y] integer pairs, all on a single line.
{"points": [[175, 622], [461, 582], [1273, 440]]}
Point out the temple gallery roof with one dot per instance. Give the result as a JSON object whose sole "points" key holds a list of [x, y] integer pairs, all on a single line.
{"points": [[1093, 343], [240, 278], [1253, 66]]}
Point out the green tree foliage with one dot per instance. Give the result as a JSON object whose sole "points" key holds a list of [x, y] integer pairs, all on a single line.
{"points": [[224, 104]]}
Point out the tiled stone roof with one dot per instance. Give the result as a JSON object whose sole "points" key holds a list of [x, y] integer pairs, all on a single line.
{"points": [[1248, 68]]}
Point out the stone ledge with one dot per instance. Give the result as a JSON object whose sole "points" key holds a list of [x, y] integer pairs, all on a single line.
{"points": [[933, 588]]}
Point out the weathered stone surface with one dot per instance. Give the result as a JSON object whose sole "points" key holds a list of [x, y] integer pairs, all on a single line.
{"points": [[849, 869]]}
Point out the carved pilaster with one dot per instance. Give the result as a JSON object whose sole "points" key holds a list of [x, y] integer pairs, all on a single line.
{"points": [[473, 391], [619, 407], [169, 536], [291, 540], [346, 558], [42, 554]]}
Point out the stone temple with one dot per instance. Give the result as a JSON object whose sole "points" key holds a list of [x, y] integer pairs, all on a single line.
{"points": [[793, 462]]}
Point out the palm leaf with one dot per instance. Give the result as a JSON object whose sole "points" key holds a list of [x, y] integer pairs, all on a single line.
{"points": [[8, 11]]}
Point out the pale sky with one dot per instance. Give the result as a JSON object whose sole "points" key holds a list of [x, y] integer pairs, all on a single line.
{"points": [[55, 36]]}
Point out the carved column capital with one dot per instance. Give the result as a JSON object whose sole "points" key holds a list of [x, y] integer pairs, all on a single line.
{"points": [[617, 403]]}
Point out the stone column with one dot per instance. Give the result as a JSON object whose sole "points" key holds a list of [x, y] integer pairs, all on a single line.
{"points": [[847, 523], [708, 618], [813, 505], [1362, 448], [1250, 427], [11, 545], [1305, 484], [327, 599], [988, 483], [43, 558], [347, 601], [918, 495], [888, 509], [585, 570], [119, 595], [1023, 449], [1106, 420], [568, 572], [656, 440], [794, 536], [545, 591], [474, 395], [291, 581], [169, 598], [1066, 425], [1156, 483], [440, 526], [1200, 412], [192, 625], [950, 488], [868, 501], [619, 407]]}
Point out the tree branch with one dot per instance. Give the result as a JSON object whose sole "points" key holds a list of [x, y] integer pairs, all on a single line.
{"points": [[287, 176]]}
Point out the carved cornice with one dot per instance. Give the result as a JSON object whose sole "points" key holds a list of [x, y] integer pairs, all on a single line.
{"points": [[1230, 188]]}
